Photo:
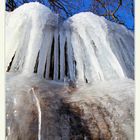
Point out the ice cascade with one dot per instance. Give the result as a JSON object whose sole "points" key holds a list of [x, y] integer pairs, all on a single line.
{"points": [[84, 48]]}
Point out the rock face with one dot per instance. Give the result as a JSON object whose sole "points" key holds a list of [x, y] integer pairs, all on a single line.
{"points": [[88, 112]]}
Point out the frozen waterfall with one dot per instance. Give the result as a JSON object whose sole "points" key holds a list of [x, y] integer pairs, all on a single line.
{"points": [[84, 48]]}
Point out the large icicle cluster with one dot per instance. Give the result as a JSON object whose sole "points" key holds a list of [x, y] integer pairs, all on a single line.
{"points": [[84, 48]]}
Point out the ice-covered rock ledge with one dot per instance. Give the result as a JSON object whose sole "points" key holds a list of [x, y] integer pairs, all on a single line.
{"points": [[100, 111], [84, 48]]}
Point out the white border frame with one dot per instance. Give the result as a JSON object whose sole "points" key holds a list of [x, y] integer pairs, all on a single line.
{"points": [[137, 70], [2, 73]]}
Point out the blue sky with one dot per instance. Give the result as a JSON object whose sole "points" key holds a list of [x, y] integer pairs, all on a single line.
{"points": [[124, 15]]}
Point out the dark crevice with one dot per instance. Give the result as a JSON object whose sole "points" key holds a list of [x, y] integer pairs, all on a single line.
{"points": [[75, 70], [36, 64], [78, 130], [45, 69], [10, 64], [86, 80], [59, 57], [66, 60], [51, 72]]}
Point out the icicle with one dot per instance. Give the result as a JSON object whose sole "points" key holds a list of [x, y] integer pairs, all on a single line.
{"points": [[18, 61], [110, 66], [76, 45], [70, 56], [62, 55], [44, 50], [35, 42], [119, 54], [56, 58], [14, 39], [92, 67], [48, 58], [129, 68]]}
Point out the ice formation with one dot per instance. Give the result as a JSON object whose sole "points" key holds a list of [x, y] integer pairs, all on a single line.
{"points": [[84, 48], [39, 112]]}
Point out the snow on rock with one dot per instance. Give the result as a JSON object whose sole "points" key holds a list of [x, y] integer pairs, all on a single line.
{"points": [[84, 48]]}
